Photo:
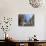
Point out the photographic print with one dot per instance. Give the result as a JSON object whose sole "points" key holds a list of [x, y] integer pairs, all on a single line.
{"points": [[26, 19]]}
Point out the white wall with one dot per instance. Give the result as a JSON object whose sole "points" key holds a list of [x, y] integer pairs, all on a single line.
{"points": [[12, 8]]}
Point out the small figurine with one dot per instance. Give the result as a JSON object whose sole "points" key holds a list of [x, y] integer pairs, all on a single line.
{"points": [[35, 38]]}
